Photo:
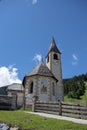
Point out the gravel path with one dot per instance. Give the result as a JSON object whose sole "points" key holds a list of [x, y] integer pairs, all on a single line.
{"points": [[80, 121]]}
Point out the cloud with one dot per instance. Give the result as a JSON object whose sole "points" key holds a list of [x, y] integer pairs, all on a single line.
{"points": [[8, 75], [74, 59], [37, 58], [34, 2]]}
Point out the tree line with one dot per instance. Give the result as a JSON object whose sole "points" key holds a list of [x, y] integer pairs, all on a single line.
{"points": [[75, 86]]}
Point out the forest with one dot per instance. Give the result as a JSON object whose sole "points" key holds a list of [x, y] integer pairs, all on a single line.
{"points": [[75, 87]]}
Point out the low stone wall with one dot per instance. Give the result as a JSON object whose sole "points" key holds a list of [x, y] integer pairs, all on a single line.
{"points": [[8, 102]]}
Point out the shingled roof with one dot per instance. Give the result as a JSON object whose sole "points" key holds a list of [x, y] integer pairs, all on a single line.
{"points": [[12, 87], [15, 87], [53, 47], [41, 69]]}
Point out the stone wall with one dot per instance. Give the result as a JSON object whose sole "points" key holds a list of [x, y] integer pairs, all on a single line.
{"points": [[8, 102], [19, 95], [42, 88]]}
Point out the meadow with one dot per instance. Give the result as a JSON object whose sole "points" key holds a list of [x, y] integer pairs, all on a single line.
{"points": [[28, 121], [35, 122]]}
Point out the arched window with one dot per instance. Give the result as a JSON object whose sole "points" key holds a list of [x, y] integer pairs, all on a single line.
{"points": [[55, 56], [47, 59], [31, 87]]}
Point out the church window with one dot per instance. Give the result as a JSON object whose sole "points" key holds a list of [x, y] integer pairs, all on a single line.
{"points": [[47, 59], [55, 56], [31, 87], [53, 89]]}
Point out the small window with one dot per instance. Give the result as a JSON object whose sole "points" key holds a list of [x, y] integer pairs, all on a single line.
{"points": [[31, 87], [47, 59], [55, 57]]}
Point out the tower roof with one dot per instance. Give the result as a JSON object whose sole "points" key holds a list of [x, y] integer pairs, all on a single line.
{"points": [[53, 47], [42, 70]]}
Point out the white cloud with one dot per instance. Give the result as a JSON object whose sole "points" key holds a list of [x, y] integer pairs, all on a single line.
{"points": [[31, 1], [8, 75], [74, 59], [34, 1], [37, 58]]}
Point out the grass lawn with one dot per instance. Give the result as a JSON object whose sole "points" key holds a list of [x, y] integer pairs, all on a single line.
{"points": [[34, 122]]}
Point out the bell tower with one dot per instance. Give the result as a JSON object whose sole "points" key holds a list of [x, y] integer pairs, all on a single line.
{"points": [[53, 62]]}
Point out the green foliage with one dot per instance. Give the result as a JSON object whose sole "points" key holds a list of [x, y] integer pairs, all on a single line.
{"points": [[33, 122], [82, 99], [75, 87]]}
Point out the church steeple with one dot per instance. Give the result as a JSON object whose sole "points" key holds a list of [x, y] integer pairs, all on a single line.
{"points": [[53, 47], [53, 62]]}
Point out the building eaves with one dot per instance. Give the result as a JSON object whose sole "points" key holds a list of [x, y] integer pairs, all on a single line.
{"points": [[42, 70]]}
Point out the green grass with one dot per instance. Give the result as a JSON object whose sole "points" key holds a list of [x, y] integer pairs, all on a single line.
{"points": [[34, 122], [82, 98]]}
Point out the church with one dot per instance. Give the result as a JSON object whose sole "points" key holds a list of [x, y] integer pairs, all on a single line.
{"points": [[45, 80]]}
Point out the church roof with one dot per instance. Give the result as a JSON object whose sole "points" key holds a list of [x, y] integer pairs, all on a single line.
{"points": [[12, 87], [15, 87], [41, 69], [53, 47]]}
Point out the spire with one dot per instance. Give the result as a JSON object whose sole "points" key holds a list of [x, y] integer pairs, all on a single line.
{"points": [[53, 47]]}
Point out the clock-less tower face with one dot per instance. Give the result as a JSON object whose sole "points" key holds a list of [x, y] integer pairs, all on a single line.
{"points": [[53, 61], [56, 65]]}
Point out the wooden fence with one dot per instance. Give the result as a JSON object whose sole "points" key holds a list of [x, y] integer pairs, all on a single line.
{"points": [[61, 108]]}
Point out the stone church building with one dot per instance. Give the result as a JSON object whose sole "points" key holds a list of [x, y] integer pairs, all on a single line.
{"points": [[45, 80]]}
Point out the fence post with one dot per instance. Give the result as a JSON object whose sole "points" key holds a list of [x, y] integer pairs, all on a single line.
{"points": [[33, 106], [79, 111], [60, 108], [35, 98]]}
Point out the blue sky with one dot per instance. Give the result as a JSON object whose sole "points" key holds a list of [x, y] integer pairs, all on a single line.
{"points": [[26, 29]]}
